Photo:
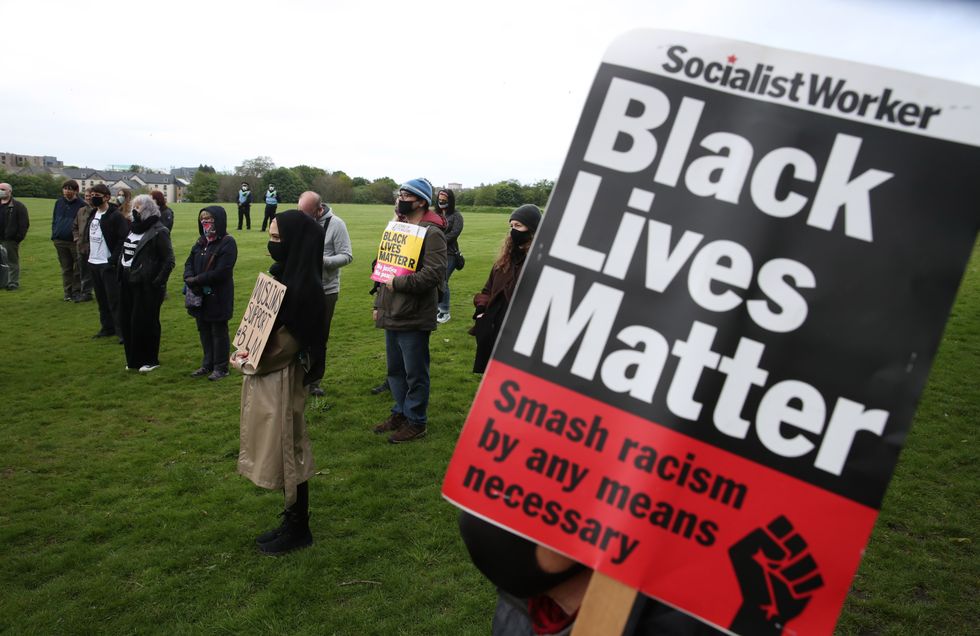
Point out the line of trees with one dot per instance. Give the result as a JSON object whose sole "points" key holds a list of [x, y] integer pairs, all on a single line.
{"points": [[42, 186], [209, 186]]}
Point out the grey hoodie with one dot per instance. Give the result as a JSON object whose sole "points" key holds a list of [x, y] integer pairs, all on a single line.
{"points": [[336, 250]]}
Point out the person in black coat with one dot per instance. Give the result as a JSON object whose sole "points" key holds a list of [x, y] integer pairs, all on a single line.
{"points": [[143, 268], [106, 228], [209, 273]]}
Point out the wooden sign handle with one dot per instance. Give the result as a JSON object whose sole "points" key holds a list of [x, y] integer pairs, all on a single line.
{"points": [[605, 608]]}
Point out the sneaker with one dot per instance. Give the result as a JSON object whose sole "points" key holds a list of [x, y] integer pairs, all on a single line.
{"points": [[128, 368], [200, 373], [147, 368], [394, 422], [217, 374], [407, 433], [442, 318], [381, 388], [83, 298], [68, 298], [316, 391]]}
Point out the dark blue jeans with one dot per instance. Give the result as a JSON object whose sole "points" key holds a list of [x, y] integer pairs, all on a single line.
{"points": [[450, 268], [408, 373]]}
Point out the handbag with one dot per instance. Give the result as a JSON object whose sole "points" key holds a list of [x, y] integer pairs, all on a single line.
{"points": [[460, 261]]}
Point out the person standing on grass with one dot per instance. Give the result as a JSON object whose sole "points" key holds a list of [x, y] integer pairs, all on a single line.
{"points": [[124, 199], [446, 202], [209, 272], [166, 214], [271, 203], [406, 309], [80, 236], [245, 206], [275, 451], [62, 219], [492, 301], [13, 230], [337, 253], [106, 229], [144, 265]]}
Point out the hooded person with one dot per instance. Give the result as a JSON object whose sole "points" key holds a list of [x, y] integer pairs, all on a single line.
{"points": [[275, 451], [446, 204], [209, 273], [143, 268], [492, 301]]}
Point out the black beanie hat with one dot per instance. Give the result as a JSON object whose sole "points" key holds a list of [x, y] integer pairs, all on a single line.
{"points": [[528, 214]]}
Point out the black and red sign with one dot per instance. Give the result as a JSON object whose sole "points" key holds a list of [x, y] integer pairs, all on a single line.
{"points": [[716, 349]]}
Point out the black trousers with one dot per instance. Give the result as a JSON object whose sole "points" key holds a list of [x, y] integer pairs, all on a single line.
{"points": [[216, 344], [139, 306], [245, 212], [106, 287], [270, 212], [331, 305]]}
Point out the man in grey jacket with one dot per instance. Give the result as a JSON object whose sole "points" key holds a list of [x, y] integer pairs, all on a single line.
{"points": [[336, 254]]}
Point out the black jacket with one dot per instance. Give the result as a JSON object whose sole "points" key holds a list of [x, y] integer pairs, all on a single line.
{"points": [[153, 260], [219, 304], [14, 221], [114, 230]]}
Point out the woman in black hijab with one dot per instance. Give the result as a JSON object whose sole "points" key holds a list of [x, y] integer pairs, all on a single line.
{"points": [[275, 448]]}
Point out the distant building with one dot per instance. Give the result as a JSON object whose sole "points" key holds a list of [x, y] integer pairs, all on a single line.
{"points": [[187, 174], [455, 187], [10, 161]]}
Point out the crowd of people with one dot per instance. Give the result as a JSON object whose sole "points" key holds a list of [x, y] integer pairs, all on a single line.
{"points": [[119, 248]]}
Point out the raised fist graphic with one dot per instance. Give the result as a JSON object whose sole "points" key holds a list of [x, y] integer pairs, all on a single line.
{"points": [[777, 577]]}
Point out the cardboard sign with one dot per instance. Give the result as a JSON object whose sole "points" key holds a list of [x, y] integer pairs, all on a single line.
{"points": [[730, 309], [256, 325], [398, 252]]}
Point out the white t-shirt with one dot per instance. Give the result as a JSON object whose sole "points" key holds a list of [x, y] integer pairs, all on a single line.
{"points": [[98, 250], [129, 248]]}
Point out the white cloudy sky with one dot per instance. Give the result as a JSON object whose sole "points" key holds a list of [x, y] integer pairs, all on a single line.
{"points": [[453, 90]]}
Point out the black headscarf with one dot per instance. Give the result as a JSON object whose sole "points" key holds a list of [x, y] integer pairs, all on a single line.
{"points": [[303, 310]]}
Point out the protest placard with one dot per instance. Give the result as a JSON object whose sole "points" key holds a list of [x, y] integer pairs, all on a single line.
{"points": [[724, 326], [256, 326], [398, 252]]}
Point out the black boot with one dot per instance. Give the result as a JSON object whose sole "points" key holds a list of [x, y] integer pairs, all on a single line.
{"points": [[295, 530], [268, 536]]}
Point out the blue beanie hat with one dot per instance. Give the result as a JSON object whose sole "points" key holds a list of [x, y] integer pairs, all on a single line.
{"points": [[419, 187]]}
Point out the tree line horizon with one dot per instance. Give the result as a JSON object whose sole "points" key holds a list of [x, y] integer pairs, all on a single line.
{"points": [[210, 186]]}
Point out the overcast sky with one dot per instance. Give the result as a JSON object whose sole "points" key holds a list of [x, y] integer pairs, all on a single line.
{"points": [[454, 91]]}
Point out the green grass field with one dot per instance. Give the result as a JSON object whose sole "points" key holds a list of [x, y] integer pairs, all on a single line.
{"points": [[121, 511]]}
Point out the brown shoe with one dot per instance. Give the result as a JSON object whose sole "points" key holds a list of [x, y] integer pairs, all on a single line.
{"points": [[408, 433], [394, 422]]}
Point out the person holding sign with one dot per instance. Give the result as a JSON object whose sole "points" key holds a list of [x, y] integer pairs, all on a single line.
{"points": [[405, 307], [275, 450], [492, 301], [209, 273]]}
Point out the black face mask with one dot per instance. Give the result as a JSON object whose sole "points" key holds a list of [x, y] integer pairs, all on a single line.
{"points": [[136, 217], [520, 238], [507, 560], [97, 201], [277, 251], [405, 207]]}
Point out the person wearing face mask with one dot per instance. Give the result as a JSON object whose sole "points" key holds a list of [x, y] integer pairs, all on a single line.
{"points": [[144, 265], [446, 202], [275, 451], [492, 301], [166, 214], [271, 203], [405, 308], [209, 272], [105, 228], [62, 218], [13, 229], [245, 206], [124, 201]]}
